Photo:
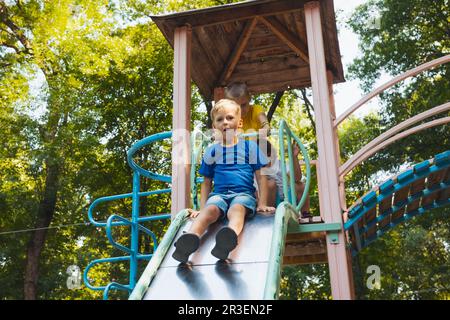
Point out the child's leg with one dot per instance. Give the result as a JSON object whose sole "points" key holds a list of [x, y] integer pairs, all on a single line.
{"points": [[271, 193], [236, 217], [227, 237], [189, 242], [299, 189], [207, 216]]}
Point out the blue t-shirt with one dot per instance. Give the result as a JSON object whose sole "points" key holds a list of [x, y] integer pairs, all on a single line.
{"points": [[232, 168]]}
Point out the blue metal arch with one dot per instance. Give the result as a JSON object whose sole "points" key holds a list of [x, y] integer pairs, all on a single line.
{"points": [[386, 190]]}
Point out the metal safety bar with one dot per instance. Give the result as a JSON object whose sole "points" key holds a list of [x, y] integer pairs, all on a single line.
{"points": [[133, 254]]}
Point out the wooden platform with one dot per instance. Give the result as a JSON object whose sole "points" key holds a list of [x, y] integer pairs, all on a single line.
{"points": [[305, 248]]}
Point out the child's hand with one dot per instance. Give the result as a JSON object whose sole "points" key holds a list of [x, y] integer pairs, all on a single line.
{"points": [[265, 210], [193, 213]]}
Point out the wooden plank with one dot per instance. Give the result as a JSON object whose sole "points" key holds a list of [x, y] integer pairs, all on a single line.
{"points": [[300, 27], [277, 75], [275, 86], [237, 51], [285, 19], [370, 217], [261, 31], [214, 15], [252, 55], [416, 187], [229, 33], [273, 64], [433, 179], [296, 44], [263, 41], [219, 52], [445, 194], [353, 238], [304, 260], [382, 207], [201, 76], [213, 60], [333, 55], [302, 237], [313, 219], [304, 249], [399, 196]]}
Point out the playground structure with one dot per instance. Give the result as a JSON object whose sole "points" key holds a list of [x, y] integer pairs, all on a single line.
{"points": [[272, 46]]}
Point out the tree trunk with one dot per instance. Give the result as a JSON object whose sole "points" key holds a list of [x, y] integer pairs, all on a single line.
{"points": [[44, 218]]}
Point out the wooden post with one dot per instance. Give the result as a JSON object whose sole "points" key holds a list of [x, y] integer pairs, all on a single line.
{"points": [[181, 149], [339, 266]]}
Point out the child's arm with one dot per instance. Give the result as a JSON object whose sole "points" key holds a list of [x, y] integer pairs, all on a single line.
{"points": [[262, 184], [263, 121], [205, 190]]}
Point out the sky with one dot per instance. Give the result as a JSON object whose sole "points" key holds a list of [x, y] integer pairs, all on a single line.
{"points": [[347, 93]]}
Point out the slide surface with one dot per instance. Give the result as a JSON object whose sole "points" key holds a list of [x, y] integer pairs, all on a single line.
{"points": [[242, 276]]}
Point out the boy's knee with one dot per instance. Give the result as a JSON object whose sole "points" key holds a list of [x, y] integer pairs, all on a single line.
{"points": [[212, 212], [236, 210]]}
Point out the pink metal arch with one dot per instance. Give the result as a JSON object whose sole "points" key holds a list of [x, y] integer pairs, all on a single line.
{"points": [[401, 77], [391, 136], [368, 152]]}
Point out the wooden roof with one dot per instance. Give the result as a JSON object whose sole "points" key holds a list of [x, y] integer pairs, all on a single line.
{"points": [[262, 43]]}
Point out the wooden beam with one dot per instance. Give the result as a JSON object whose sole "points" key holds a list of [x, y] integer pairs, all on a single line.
{"points": [[236, 53], [274, 105], [228, 13], [329, 199], [181, 151], [286, 36], [309, 259]]}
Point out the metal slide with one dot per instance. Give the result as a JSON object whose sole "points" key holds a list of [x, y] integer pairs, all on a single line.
{"points": [[242, 276]]}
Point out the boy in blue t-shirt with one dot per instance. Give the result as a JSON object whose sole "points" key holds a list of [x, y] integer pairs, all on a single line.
{"points": [[232, 165]]}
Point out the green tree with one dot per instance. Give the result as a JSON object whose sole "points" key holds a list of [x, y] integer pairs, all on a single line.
{"points": [[410, 33], [56, 41]]}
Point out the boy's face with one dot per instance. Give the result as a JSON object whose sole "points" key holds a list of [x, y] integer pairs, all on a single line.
{"points": [[227, 121]]}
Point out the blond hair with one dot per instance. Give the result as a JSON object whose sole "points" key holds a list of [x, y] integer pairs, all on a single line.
{"points": [[219, 105], [237, 90]]}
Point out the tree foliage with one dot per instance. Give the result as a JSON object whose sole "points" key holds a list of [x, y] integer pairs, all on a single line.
{"points": [[80, 81]]}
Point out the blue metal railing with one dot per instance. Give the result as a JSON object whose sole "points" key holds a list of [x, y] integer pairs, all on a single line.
{"points": [[133, 254]]}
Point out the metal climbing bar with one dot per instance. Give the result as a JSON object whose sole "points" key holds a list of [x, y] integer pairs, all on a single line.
{"points": [[286, 133], [135, 223]]}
